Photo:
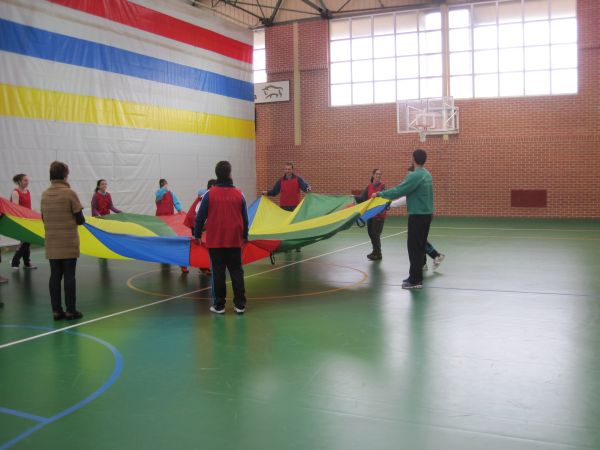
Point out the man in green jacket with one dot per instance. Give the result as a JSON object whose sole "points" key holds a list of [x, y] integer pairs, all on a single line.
{"points": [[417, 186]]}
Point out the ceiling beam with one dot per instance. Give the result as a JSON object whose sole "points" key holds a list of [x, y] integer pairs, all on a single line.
{"points": [[324, 12]]}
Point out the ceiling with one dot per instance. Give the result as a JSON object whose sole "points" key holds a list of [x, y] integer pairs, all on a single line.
{"points": [[260, 13]]}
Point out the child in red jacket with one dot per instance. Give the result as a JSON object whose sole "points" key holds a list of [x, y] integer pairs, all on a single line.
{"points": [[21, 196], [102, 203]]}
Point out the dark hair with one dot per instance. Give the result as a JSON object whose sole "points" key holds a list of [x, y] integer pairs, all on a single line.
{"points": [[17, 178], [420, 156], [373, 174], [223, 170], [58, 171], [212, 182], [162, 182], [98, 184]]}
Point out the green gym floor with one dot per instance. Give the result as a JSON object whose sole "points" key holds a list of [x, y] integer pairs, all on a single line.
{"points": [[500, 350]]}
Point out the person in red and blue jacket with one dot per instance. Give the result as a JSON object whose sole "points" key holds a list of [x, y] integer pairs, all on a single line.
{"points": [[166, 200], [223, 213], [375, 224], [21, 196], [102, 203], [190, 218], [290, 187]]}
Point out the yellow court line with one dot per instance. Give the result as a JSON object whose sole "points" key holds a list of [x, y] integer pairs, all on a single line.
{"points": [[32, 103], [131, 286]]}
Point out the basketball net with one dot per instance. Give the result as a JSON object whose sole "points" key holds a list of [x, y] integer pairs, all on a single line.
{"points": [[422, 132]]}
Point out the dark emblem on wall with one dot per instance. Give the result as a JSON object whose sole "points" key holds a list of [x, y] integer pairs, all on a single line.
{"points": [[271, 91]]}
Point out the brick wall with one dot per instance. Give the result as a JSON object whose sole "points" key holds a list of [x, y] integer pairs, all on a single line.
{"points": [[550, 143]]}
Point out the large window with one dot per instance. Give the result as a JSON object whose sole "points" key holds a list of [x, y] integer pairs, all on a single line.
{"points": [[259, 59], [513, 48], [496, 48], [379, 59]]}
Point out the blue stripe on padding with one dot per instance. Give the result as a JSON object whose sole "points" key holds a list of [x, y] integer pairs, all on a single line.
{"points": [[30, 41], [160, 249], [369, 214], [252, 211]]}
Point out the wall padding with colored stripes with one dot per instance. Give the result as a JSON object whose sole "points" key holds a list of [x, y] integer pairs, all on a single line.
{"points": [[127, 91]]}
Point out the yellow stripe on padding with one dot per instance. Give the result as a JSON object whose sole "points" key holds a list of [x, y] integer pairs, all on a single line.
{"points": [[88, 243], [32, 103], [280, 223]]}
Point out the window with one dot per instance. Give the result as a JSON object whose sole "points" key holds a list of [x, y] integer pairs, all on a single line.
{"points": [[383, 58], [497, 48], [259, 60], [513, 48]]}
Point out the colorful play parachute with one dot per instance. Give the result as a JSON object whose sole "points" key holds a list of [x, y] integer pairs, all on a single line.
{"points": [[166, 240]]}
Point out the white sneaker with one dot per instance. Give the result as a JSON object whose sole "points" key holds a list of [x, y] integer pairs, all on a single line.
{"points": [[30, 267], [438, 260], [217, 311], [239, 310]]}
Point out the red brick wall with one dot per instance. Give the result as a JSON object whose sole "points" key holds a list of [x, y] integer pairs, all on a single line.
{"points": [[550, 143]]}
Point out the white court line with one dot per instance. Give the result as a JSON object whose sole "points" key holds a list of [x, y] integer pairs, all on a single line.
{"points": [[158, 302], [434, 227]]}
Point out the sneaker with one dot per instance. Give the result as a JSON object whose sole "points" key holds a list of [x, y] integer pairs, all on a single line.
{"points": [[375, 256], [3, 280], [29, 266], [58, 315], [239, 311], [184, 269], [438, 260], [14, 267], [217, 311], [409, 285], [425, 268], [74, 315]]}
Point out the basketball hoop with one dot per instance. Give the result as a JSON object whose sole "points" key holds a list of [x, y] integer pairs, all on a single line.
{"points": [[422, 132]]}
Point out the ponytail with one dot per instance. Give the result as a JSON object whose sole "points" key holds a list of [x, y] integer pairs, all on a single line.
{"points": [[17, 178]]}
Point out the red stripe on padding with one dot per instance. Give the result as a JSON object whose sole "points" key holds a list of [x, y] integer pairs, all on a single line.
{"points": [[251, 251], [175, 223], [146, 19], [8, 207]]}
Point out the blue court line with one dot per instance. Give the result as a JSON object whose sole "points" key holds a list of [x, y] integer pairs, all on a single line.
{"points": [[23, 414], [46, 421], [38, 43]]}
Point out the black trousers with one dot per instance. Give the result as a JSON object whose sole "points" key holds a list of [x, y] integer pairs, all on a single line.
{"points": [[59, 269], [24, 251], [375, 228], [230, 259], [418, 231]]}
